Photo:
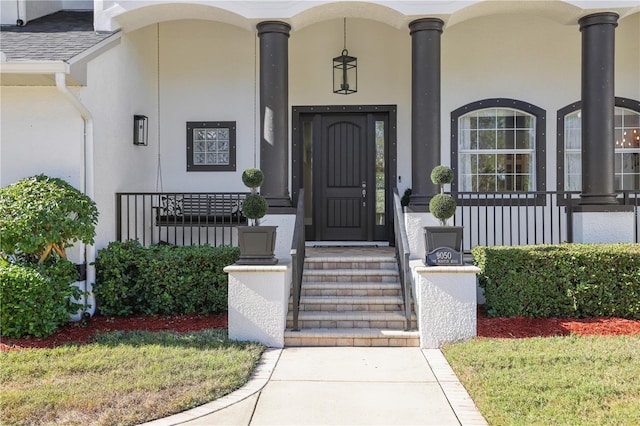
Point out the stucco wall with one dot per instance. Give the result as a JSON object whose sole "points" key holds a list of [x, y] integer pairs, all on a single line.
{"points": [[628, 57], [121, 83], [207, 74], [202, 76], [41, 133]]}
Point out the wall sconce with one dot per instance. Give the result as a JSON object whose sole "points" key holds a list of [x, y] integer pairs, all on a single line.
{"points": [[140, 130], [345, 70]]}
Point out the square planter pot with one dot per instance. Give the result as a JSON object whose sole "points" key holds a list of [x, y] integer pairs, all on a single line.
{"points": [[443, 245], [257, 245]]}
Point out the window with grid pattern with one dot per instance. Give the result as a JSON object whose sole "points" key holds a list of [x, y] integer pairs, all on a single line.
{"points": [[626, 145], [211, 146], [496, 151]]}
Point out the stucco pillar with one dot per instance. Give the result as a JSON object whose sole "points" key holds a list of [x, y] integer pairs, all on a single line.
{"points": [[598, 103], [425, 108], [274, 115]]}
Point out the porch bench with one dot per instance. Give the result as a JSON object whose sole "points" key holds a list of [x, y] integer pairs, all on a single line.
{"points": [[202, 210]]}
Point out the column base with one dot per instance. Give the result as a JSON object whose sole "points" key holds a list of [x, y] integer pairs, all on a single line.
{"points": [[259, 302], [603, 224], [446, 303]]}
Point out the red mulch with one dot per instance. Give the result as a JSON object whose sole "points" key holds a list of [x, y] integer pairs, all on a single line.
{"points": [[521, 327], [77, 333], [509, 328]]}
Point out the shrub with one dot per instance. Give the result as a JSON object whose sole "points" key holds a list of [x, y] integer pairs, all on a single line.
{"points": [[442, 207], [119, 286], [566, 280], [254, 206], [36, 299], [162, 279], [252, 178], [441, 175], [42, 214]]}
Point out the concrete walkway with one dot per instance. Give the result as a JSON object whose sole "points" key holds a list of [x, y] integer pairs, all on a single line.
{"points": [[343, 386]]}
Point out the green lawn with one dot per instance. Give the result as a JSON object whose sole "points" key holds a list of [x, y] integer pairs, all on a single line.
{"points": [[569, 380], [123, 378]]}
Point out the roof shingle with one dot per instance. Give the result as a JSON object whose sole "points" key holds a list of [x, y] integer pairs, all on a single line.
{"points": [[56, 37]]}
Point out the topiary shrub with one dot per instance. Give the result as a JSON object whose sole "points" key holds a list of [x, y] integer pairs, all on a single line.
{"points": [[252, 178], [255, 206], [40, 215], [442, 206], [162, 279], [441, 175], [36, 299]]}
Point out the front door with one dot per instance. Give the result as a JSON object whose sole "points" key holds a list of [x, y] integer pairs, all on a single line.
{"points": [[344, 158], [343, 179]]}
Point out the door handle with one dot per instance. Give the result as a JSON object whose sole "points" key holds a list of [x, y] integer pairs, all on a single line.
{"points": [[364, 193]]}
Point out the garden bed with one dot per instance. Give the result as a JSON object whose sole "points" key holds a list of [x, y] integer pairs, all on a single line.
{"points": [[77, 333], [518, 327]]}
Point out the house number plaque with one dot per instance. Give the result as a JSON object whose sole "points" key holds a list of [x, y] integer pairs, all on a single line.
{"points": [[444, 256]]}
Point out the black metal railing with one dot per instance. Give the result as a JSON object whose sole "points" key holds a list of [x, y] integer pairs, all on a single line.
{"points": [[197, 218], [180, 218], [522, 218], [632, 198], [402, 255], [297, 258]]}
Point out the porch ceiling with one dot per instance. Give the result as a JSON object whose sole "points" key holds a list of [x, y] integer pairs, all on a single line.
{"points": [[130, 16]]}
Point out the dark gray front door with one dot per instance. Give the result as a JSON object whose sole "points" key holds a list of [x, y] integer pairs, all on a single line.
{"points": [[345, 159], [342, 189]]}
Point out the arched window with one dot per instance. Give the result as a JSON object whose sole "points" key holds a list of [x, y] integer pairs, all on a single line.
{"points": [[626, 144], [498, 146]]}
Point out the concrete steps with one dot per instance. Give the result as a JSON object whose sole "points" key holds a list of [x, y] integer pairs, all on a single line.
{"points": [[351, 300]]}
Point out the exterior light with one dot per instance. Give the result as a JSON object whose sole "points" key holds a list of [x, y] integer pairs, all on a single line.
{"points": [[140, 130], [345, 70]]}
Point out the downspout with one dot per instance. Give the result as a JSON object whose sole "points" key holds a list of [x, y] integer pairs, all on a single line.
{"points": [[22, 13], [86, 182]]}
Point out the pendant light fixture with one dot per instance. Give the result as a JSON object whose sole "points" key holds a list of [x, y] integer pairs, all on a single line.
{"points": [[345, 70]]}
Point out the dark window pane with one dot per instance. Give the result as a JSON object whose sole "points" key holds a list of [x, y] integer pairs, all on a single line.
{"points": [[487, 139], [524, 139], [486, 163]]}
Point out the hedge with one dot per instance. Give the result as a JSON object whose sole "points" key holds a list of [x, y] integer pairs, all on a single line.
{"points": [[132, 279], [566, 280], [37, 299]]}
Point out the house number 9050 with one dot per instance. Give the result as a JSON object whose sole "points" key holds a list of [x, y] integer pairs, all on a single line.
{"points": [[443, 255]]}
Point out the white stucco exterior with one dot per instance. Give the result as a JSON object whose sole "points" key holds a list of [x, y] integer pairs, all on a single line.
{"points": [[603, 227], [445, 301], [259, 302]]}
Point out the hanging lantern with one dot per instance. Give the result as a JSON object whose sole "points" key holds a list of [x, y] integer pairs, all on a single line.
{"points": [[345, 70]]}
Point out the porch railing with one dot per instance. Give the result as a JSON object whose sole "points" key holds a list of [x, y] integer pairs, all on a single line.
{"points": [[523, 218], [180, 218], [297, 258], [402, 254]]}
